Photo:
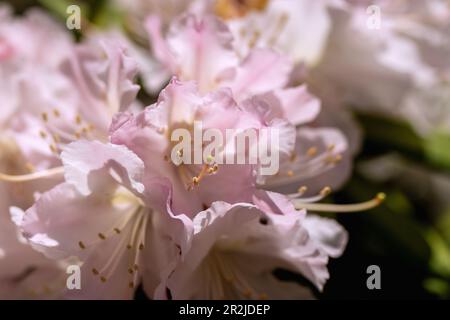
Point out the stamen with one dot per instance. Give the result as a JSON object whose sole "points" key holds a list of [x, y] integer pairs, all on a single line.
{"points": [[297, 196], [302, 190], [43, 134], [32, 176], [311, 152], [78, 119], [101, 236], [325, 191], [323, 207], [53, 148]]}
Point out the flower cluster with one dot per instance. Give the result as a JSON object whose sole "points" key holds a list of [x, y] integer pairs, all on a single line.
{"points": [[87, 175]]}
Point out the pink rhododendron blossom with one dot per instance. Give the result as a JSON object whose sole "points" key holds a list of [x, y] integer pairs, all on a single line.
{"points": [[100, 215], [263, 74], [236, 248], [148, 134], [53, 92]]}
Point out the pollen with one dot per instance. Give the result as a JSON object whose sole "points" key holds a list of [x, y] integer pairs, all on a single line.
{"points": [[380, 197], [44, 116], [263, 296], [30, 167], [302, 189], [311, 151], [325, 191], [95, 271], [56, 113], [81, 244], [195, 181], [101, 236], [53, 148], [209, 159], [42, 134]]}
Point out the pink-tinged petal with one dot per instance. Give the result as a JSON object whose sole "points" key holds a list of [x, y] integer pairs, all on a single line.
{"points": [[209, 225], [273, 122], [262, 71], [160, 48], [103, 75], [83, 158], [321, 158], [275, 203], [328, 235], [298, 251], [299, 106], [236, 248], [202, 49], [169, 240], [298, 28], [69, 218], [24, 272]]}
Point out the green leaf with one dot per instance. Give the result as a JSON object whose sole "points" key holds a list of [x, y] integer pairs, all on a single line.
{"points": [[437, 149]]}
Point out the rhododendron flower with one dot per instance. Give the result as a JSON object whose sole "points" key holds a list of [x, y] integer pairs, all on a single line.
{"points": [[236, 248], [53, 92], [148, 134], [191, 51], [132, 211], [99, 215]]}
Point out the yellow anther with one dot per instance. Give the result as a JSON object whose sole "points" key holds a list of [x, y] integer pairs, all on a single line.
{"points": [[302, 189], [53, 148], [380, 197], [42, 134], [325, 191], [311, 151]]}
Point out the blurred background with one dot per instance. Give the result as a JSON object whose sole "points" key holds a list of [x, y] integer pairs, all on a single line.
{"points": [[408, 237]]}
